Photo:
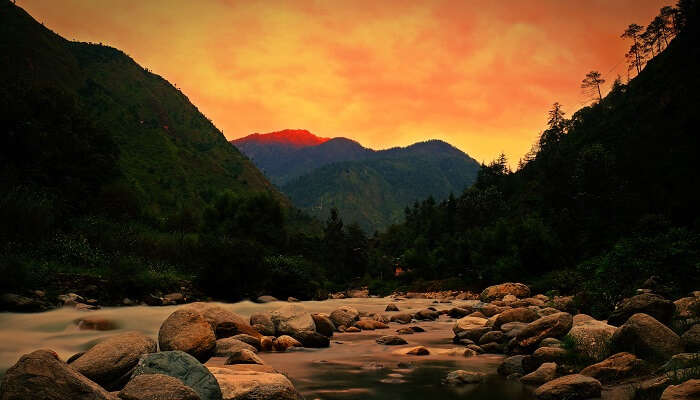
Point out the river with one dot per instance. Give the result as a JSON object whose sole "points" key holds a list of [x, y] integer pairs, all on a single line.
{"points": [[354, 367]]}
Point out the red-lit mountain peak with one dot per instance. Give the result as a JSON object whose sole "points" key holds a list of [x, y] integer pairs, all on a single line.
{"points": [[291, 137]]}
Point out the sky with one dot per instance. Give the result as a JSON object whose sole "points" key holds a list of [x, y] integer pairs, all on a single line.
{"points": [[480, 75]]}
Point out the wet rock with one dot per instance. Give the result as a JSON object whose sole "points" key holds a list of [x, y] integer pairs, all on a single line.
{"points": [[244, 356], [227, 346], [312, 339], [427, 314], [41, 375], [324, 325], [489, 310], [353, 329], [461, 377], [188, 331], [647, 338], [520, 314], [417, 329], [418, 351], [551, 342], [157, 387], [458, 312], [366, 324], [592, 337], [391, 340], [687, 390], [493, 336], [292, 299], [344, 316], [493, 348], [93, 323], [555, 325], [562, 303], [569, 387], [292, 319], [467, 323], [646, 303], [545, 373], [473, 333], [512, 329], [681, 361], [547, 311], [284, 342], [616, 367], [251, 340], [496, 292], [392, 307], [184, 367], [402, 318], [110, 362], [262, 323], [254, 385], [266, 299], [475, 348], [548, 354], [405, 331], [691, 338], [267, 343], [224, 322], [16, 303], [511, 365]]}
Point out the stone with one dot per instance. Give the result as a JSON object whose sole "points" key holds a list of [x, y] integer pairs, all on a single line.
{"points": [[427, 314], [266, 299], [545, 373], [467, 323], [324, 325], [509, 298], [418, 351], [225, 323], [687, 307], [492, 336], [647, 338], [177, 298], [16, 303], [391, 307], [646, 303], [512, 365], [227, 346], [497, 292], [512, 329], [254, 385], [41, 375], [473, 333], [251, 340], [391, 340], [344, 316], [184, 367], [157, 387], [110, 362], [188, 331], [291, 319], [551, 342], [688, 390], [461, 377], [458, 312], [402, 318], [569, 387], [549, 354], [493, 348], [95, 323], [416, 329], [262, 323], [562, 303], [267, 343], [365, 324], [352, 329], [592, 337], [284, 342], [520, 314], [616, 367], [681, 361], [292, 299], [555, 325], [543, 312], [244, 356], [312, 339], [489, 310], [691, 338], [405, 331], [477, 349]]}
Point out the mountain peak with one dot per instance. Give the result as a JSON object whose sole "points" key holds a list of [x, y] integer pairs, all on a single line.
{"points": [[291, 137]]}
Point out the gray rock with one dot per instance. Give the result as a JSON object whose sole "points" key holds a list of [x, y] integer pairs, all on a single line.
{"points": [[291, 319], [512, 365], [461, 377], [157, 387], [244, 356], [647, 338], [391, 340], [569, 387], [184, 367]]}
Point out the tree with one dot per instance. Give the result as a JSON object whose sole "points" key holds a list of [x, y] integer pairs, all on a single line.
{"points": [[556, 117], [591, 84], [556, 127], [634, 32]]}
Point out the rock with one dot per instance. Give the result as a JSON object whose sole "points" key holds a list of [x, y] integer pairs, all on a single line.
{"points": [[70, 299], [284, 342], [489, 310], [418, 351], [382, 318], [267, 343], [16, 303], [493, 336], [227, 346], [391, 340], [312, 339], [549, 354], [292, 299], [646, 303], [175, 298], [365, 324], [461, 377], [569, 387], [266, 299], [545, 373], [157, 387], [405, 331], [688, 390], [562, 303], [473, 333], [691, 338], [93, 323], [547, 311], [323, 324], [253, 341], [402, 318], [86, 307], [224, 322], [244, 356], [551, 342], [110, 362], [555, 325], [358, 293], [509, 298], [681, 361], [687, 307], [647, 338], [458, 312], [475, 348], [417, 329], [41, 375], [512, 365], [427, 314], [254, 385], [392, 307], [262, 323], [467, 323], [520, 314], [291, 319], [499, 291], [188, 331], [616, 367], [512, 329], [184, 367], [344, 316], [592, 337], [493, 348]]}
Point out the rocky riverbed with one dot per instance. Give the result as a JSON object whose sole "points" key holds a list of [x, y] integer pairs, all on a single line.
{"points": [[505, 343]]}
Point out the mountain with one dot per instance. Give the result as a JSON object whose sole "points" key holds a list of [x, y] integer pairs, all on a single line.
{"points": [[367, 186]]}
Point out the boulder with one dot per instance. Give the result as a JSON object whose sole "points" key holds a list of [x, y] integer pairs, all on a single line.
{"points": [[225, 323], [521, 314], [688, 390], [254, 385], [592, 337], [405, 331], [497, 292], [345, 316], [646, 303], [284, 342], [16, 303], [458, 312], [681, 361], [569, 387], [687, 307], [467, 323], [95, 323], [647, 338], [312, 339], [267, 343], [391, 340], [543, 312], [110, 362], [291, 319], [616, 367], [41, 375], [323, 324], [251, 340], [187, 330], [493, 348], [473, 333], [266, 299], [157, 387], [548, 354], [174, 298], [489, 310], [561, 303], [292, 299], [391, 307], [427, 314], [691, 338], [262, 323], [352, 329], [366, 324], [512, 365], [555, 325], [492, 336], [461, 377], [512, 329], [418, 351], [244, 356], [545, 373], [227, 346], [182, 366], [402, 318]]}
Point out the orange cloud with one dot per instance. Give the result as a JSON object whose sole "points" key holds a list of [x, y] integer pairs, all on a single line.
{"points": [[480, 75]]}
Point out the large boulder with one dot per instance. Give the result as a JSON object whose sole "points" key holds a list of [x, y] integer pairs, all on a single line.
{"points": [[188, 331], [688, 390], [569, 387], [462, 377], [467, 323], [244, 356], [345, 316], [324, 325], [647, 338], [427, 314], [391, 340], [227, 346], [497, 292], [555, 325], [262, 323], [512, 365], [254, 385], [184, 367], [616, 367], [520, 314], [545, 373], [157, 387], [41, 375], [225, 323], [110, 362], [291, 319], [646, 303], [691, 338], [402, 318], [687, 307], [312, 339], [592, 337]]}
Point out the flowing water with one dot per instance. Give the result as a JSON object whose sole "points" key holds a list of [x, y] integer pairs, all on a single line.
{"points": [[354, 367]]}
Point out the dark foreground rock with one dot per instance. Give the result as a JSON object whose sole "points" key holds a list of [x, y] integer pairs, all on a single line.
{"points": [[186, 330], [647, 338], [184, 367], [569, 387], [157, 387], [254, 385]]}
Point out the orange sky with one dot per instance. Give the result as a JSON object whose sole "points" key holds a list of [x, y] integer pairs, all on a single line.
{"points": [[478, 74]]}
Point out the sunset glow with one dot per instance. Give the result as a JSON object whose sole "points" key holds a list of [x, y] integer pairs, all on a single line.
{"points": [[480, 75]]}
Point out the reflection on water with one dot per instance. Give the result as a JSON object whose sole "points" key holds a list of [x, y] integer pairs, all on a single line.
{"points": [[354, 367]]}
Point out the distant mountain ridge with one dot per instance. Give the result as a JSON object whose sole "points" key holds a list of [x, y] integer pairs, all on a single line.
{"points": [[370, 187]]}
